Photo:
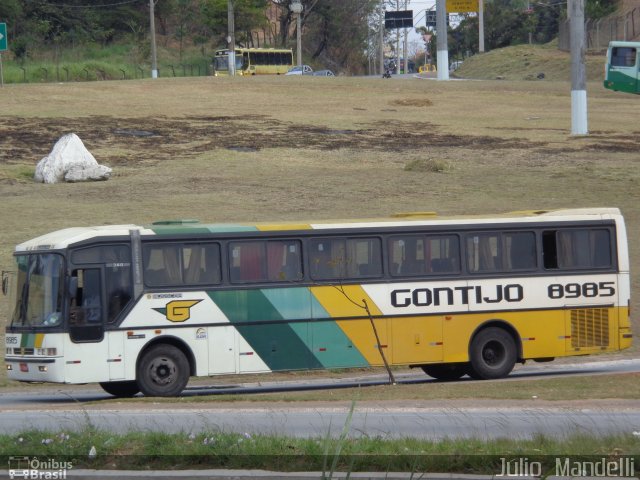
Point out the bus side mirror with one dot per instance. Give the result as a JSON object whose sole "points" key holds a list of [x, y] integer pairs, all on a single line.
{"points": [[5, 282]]}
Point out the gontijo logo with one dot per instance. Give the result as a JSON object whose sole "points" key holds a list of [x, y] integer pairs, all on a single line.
{"points": [[178, 310]]}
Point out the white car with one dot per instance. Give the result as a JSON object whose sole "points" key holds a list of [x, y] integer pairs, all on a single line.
{"points": [[303, 70]]}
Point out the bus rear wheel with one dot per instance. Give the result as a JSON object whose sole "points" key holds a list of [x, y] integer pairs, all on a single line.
{"points": [[163, 371], [446, 371], [492, 354], [121, 389]]}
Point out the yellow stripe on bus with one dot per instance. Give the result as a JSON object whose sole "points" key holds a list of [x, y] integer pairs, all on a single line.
{"points": [[347, 301], [39, 340]]}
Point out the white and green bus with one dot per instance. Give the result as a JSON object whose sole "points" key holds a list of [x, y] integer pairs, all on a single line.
{"points": [[143, 308], [622, 70], [254, 61]]}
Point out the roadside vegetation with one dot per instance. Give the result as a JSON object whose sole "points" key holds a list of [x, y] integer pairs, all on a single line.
{"points": [[348, 453]]}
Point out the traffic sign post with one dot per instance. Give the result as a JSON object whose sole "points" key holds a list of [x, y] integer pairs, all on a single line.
{"points": [[3, 37]]}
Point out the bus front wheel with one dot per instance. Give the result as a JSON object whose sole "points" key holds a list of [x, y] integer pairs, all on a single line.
{"points": [[163, 371], [492, 354], [121, 389]]}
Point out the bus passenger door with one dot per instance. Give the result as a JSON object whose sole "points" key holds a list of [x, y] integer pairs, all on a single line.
{"points": [[87, 363]]}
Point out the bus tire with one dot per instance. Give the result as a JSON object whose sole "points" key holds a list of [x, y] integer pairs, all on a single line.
{"points": [[163, 371], [492, 353], [121, 389], [446, 371]]}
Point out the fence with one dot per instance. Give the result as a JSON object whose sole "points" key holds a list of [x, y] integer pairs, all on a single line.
{"points": [[36, 72], [600, 32]]}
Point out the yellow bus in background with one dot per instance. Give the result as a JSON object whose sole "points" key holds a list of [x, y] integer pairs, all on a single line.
{"points": [[254, 61]]}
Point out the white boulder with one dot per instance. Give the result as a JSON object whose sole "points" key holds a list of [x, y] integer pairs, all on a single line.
{"points": [[70, 161]]}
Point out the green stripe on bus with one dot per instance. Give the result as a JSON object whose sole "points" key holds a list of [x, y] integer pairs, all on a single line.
{"points": [[221, 228], [27, 340], [325, 339], [277, 344]]}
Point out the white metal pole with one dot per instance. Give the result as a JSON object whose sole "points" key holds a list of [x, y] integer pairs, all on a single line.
{"points": [[152, 26], [441, 32], [299, 40], [578, 72], [481, 26], [381, 37], [231, 37]]}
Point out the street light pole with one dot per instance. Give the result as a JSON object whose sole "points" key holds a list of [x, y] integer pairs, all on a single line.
{"points": [[481, 26], [296, 7], [231, 38], [152, 26], [381, 37], [443, 49], [578, 73]]}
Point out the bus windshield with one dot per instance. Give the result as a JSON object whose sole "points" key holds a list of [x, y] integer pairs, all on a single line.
{"points": [[221, 63], [39, 291]]}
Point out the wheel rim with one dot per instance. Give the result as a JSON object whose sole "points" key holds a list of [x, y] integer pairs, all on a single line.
{"points": [[493, 354], [162, 371]]}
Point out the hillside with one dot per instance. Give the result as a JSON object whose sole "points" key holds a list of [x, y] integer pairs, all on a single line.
{"points": [[527, 62]]}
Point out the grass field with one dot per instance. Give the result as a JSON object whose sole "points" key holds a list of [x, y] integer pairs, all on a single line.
{"points": [[287, 148]]}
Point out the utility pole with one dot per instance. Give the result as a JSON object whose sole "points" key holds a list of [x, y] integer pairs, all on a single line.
{"points": [[405, 45], [296, 7], [578, 72], [381, 37], [397, 42], [152, 21], [481, 26], [441, 32], [231, 38]]}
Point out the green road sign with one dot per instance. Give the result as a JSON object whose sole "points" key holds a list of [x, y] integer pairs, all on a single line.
{"points": [[3, 37]]}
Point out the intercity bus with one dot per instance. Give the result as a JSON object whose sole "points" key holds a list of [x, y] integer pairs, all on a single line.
{"points": [[623, 67], [254, 61], [143, 308]]}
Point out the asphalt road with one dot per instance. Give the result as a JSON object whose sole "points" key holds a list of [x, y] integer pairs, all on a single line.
{"points": [[61, 408]]}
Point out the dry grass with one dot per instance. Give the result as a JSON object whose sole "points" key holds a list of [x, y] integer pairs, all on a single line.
{"points": [[313, 148], [529, 62]]}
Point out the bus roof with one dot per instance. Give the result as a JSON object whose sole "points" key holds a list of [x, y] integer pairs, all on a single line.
{"points": [[61, 239], [621, 43]]}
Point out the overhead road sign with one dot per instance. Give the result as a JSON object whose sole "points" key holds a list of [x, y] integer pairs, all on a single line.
{"points": [[430, 18], [3, 37], [398, 19], [462, 6]]}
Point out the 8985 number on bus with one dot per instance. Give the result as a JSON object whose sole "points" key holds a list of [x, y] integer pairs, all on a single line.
{"points": [[578, 290]]}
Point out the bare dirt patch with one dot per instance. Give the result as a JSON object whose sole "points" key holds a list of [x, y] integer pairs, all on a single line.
{"points": [[155, 139]]}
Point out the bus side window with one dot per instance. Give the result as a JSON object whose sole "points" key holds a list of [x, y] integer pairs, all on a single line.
{"points": [[576, 249], [86, 305], [118, 286], [201, 264], [339, 258], [623, 57], [521, 250], [161, 265], [484, 252]]}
